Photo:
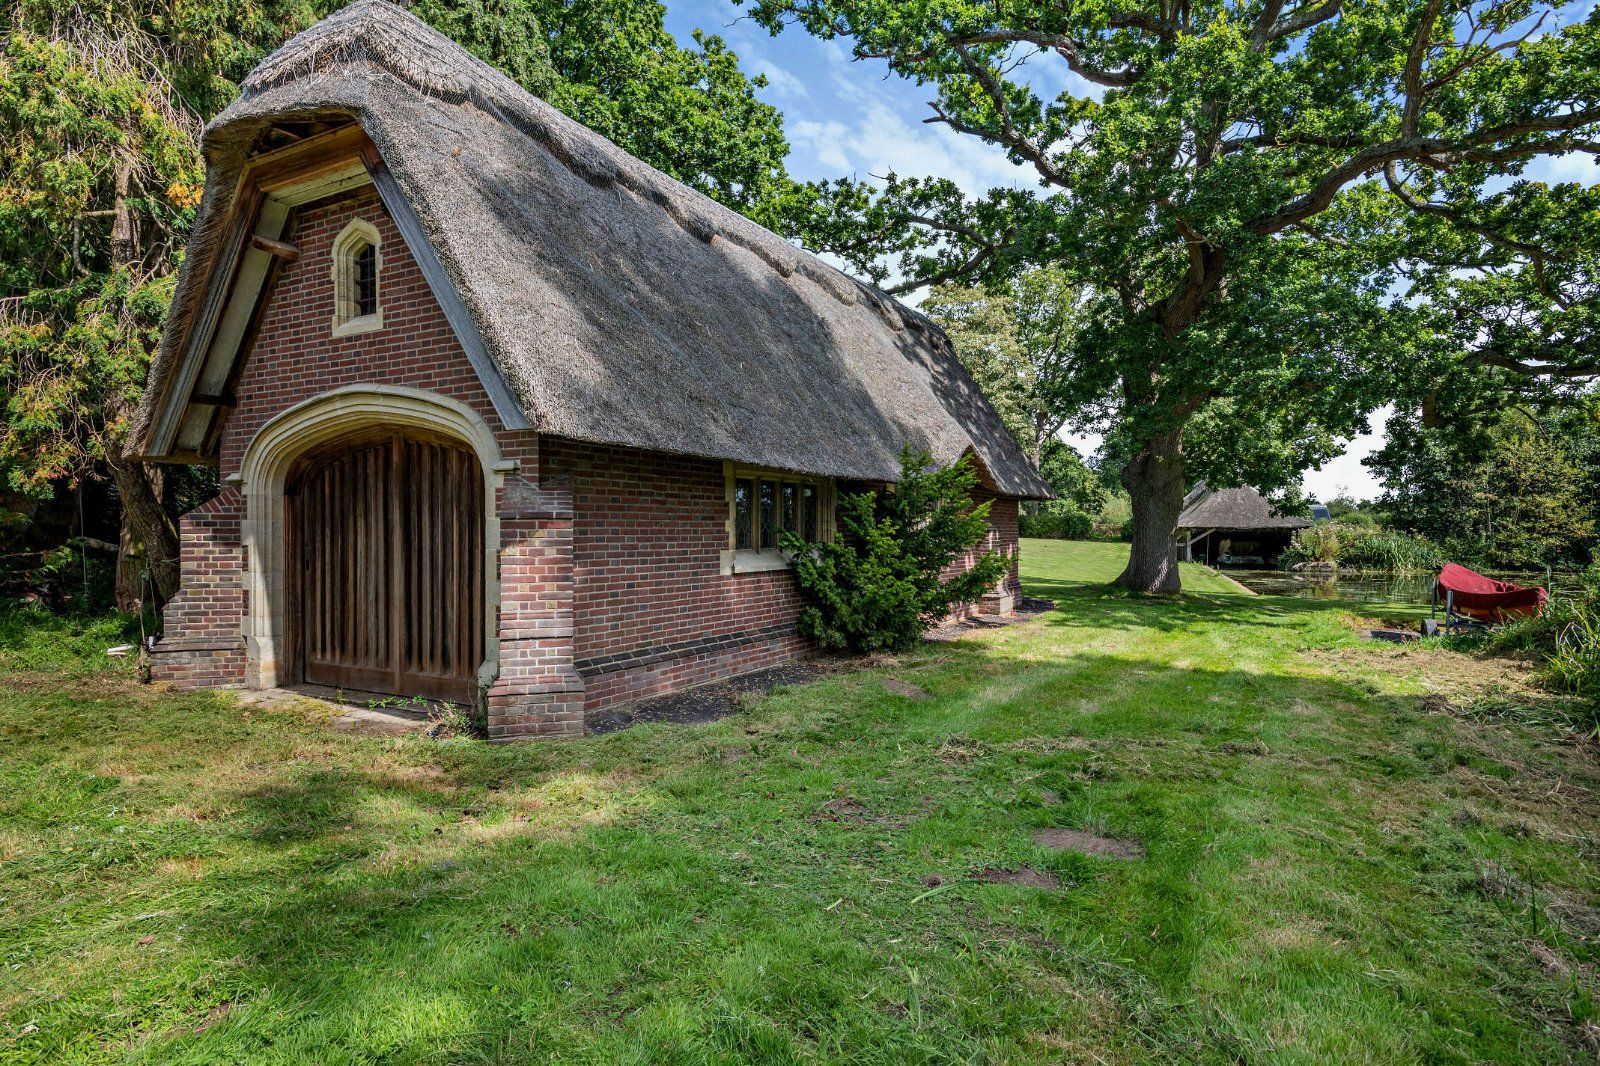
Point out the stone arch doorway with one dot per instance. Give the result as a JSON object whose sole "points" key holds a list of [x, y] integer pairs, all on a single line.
{"points": [[384, 531], [333, 442]]}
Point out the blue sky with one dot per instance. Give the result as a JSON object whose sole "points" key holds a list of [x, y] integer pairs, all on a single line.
{"points": [[848, 118]]}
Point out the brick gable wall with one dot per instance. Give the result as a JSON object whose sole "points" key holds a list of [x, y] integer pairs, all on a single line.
{"points": [[296, 357]]}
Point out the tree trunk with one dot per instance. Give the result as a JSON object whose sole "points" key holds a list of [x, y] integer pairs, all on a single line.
{"points": [[130, 571], [147, 520], [1155, 482], [124, 231]]}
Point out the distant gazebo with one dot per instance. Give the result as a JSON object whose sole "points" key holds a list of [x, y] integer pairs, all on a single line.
{"points": [[1233, 527]]}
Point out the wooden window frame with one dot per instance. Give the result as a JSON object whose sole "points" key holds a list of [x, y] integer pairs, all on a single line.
{"points": [[347, 317], [761, 557]]}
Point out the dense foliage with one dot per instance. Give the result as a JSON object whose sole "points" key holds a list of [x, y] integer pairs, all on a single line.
{"points": [[1242, 187], [1017, 341], [1362, 546], [881, 583], [101, 107], [1566, 638], [1065, 524], [1520, 493]]}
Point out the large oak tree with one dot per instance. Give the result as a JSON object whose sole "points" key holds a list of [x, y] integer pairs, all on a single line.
{"points": [[1290, 210]]}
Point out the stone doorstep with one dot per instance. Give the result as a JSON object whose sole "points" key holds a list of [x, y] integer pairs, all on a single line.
{"points": [[348, 715]]}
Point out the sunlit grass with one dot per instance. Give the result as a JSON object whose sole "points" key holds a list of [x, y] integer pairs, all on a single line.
{"points": [[1344, 860]]}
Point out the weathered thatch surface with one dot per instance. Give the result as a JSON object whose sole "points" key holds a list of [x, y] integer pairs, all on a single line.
{"points": [[619, 305], [1244, 508]]}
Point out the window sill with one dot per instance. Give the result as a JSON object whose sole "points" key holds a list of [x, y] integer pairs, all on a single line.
{"points": [[746, 561], [352, 326]]}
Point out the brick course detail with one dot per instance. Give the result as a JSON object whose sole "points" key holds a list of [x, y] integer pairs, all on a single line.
{"points": [[610, 585]]}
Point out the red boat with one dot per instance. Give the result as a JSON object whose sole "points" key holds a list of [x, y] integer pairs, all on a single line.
{"points": [[1470, 596]]}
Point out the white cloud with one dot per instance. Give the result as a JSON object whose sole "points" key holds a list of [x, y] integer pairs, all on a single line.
{"points": [[779, 80], [1344, 474], [876, 139], [823, 145], [1579, 167]]}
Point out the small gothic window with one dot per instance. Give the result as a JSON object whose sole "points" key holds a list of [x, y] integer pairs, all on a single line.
{"points": [[357, 266], [367, 280]]}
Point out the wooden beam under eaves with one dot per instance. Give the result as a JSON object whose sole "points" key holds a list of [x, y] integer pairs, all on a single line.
{"points": [[280, 249]]}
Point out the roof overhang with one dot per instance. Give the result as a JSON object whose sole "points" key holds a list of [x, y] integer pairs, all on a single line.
{"points": [[188, 417]]}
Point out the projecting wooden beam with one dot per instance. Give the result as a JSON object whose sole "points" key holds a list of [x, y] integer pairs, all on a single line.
{"points": [[281, 249]]}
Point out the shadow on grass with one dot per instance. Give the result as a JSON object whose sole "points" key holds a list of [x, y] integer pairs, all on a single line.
{"points": [[674, 892], [1104, 606]]}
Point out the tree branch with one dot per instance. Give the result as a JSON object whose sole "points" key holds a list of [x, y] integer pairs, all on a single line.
{"points": [[1536, 255], [1306, 19], [1374, 157], [1064, 46], [1411, 78], [1008, 134]]}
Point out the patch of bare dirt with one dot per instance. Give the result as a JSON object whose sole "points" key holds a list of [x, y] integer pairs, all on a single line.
{"points": [[214, 1015], [1550, 962], [1022, 875], [1089, 843], [958, 750], [1026, 609], [706, 703], [845, 809], [905, 688]]}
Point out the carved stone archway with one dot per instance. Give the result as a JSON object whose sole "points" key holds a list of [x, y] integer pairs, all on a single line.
{"points": [[268, 461]]}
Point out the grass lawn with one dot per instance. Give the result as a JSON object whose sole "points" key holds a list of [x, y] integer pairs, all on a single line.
{"points": [[1353, 851]]}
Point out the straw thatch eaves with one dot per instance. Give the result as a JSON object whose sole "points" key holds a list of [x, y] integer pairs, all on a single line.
{"points": [[600, 300], [1243, 508]]}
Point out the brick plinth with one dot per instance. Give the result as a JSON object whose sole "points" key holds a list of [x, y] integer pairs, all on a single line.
{"points": [[539, 692], [202, 646]]}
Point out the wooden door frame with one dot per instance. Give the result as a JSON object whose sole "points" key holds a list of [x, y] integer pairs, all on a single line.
{"points": [[277, 449]]}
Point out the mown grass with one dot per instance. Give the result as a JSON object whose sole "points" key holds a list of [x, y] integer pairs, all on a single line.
{"points": [[1344, 861]]}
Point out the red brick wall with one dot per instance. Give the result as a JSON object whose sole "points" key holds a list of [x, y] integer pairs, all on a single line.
{"points": [[1003, 536], [1003, 539], [652, 609], [294, 358], [203, 647]]}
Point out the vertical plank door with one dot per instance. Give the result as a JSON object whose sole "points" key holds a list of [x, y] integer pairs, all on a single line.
{"points": [[390, 549]]}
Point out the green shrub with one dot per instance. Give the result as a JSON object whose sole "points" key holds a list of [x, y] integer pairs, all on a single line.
{"points": [[1574, 665], [1361, 547], [879, 585], [1318, 544], [1115, 520], [1387, 550], [1065, 524], [1566, 638]]}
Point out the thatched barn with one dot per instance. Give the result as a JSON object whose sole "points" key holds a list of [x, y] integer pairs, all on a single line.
{"points": [[502, 412], [1233, 527]]}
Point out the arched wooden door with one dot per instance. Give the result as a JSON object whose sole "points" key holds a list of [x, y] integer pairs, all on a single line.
{"points": [[388, 547]]}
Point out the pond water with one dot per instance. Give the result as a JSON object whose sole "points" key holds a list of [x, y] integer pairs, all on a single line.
{"points": [[1352, 587]]}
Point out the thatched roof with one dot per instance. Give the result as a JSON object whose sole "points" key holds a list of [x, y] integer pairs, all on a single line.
{"points": [[615, 304], [1243, 508]]}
